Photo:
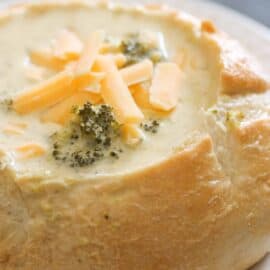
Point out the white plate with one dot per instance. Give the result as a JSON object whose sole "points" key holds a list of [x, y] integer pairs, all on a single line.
{"points": [[254, 36]]}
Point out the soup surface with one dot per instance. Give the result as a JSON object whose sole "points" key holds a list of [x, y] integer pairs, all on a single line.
{"points": [[33, 29]]}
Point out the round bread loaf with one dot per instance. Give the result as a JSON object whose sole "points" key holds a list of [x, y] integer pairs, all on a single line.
{"points": [[195, 196]]}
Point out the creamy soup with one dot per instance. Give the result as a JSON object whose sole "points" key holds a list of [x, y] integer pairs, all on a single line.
{"points": [[35, 28]]}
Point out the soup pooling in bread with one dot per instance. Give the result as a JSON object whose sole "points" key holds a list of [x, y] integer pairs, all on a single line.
{"points": [[130, 138], [99, 99]]}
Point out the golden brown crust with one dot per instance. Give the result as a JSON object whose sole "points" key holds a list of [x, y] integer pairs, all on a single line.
{"points": [[131, 222], [199, 209], [239, 74]]}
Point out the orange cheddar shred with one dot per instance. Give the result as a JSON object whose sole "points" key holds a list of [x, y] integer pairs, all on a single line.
{"points": [[67, 46], [131, 134], [31, 150], [138, 73], [81, 82], [15, 128], [45, 58], [116, 93], [111, 47], [11, 129], [141, 96], [90, 53], [61, 113], [165, 88], [45, 94], [119, 59]]}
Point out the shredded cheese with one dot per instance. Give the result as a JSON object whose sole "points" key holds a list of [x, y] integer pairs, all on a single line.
{"points": [[119, 59], [45, 58], [12, 130], [85, 75], [131, 134], [87, 80], [116, 93], [90, 53], [141, 96], [166, 85], [67, 46], [61, 113], [31, 150], [138, 73], [45, 94], [111, 47]]}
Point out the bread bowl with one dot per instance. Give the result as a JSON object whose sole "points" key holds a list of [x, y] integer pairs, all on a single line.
{"points": [[192, 196]]}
